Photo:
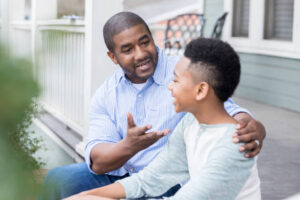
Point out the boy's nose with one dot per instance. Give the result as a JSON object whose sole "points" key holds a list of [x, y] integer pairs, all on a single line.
{"points": [[170, 86]]}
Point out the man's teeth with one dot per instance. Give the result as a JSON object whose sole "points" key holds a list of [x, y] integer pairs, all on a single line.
{"points": [[144, 63]]}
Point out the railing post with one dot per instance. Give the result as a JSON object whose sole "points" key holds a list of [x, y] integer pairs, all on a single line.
{"points": [[40, 10], [97, 64], [4, 21]]}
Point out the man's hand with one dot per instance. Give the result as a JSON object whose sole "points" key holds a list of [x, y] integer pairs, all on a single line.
{"points": [[137, 139], [250, 132]]}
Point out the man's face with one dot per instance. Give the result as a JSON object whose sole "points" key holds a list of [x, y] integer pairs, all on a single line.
{"points": [[135, 52], [183, 87]]}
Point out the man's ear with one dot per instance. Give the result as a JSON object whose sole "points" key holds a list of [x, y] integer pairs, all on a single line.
{"points": [[112, 56], [202, 91]]}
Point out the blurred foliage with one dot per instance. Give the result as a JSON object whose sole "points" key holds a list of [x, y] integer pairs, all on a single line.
{"points": [[17, 91], [24, 141]]}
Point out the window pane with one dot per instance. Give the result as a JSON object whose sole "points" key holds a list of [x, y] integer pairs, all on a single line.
{"points": [[240, 26], [279, 19], [70, 7], [27, 10]]}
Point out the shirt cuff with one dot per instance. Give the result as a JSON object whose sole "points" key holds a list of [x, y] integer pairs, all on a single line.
{"points": [[131, 187], [233, 109]]}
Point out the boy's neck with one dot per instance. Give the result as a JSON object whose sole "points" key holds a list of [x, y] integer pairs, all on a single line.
{"points": [[212, 111]]}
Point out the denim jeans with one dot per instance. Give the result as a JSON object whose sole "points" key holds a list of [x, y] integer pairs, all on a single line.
{"points": [[67, 180]]}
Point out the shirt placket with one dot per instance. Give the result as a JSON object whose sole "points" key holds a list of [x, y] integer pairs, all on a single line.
{"points": [[140, 108]]}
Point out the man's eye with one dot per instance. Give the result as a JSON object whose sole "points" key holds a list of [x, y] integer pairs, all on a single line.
{"points": [[126, 50], [175, 81], [145, 42]]}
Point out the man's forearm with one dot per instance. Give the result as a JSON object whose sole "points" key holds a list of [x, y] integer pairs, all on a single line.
{"points": [[110, 156]]}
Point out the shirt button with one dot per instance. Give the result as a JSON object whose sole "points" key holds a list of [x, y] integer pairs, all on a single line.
{"points": [[131, 170], [140, 95]]}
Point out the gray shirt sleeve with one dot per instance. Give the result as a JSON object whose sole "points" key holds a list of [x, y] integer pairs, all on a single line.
{"points": [[166, 170], [222, 176]]}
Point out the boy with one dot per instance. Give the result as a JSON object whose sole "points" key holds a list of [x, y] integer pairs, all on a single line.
{"points": [[200, 151]]}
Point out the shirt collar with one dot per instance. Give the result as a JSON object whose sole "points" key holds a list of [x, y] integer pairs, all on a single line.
{"points": [[159, 72]]}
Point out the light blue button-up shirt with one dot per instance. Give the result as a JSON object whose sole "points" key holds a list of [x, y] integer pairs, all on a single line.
{"points": [[153, 104]]}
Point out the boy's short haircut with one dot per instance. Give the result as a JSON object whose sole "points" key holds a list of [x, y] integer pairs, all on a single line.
{"points": [[218, 62], [118, 23]]}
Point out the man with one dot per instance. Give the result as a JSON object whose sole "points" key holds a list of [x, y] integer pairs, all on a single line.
{"points": [[139, 87]]}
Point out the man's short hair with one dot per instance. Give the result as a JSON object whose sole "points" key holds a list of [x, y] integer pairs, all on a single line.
{"points": [[218, 63], [118, 23]]}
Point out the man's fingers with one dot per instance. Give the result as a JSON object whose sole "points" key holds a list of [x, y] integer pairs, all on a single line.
{"points": [[164, 132], [248, 147], [252, 153], [241, 124], [142, 130], [156, 135], [245, 130], [244, 138], [130, 121]]}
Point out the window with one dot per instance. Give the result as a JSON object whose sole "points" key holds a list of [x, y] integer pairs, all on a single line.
{"points": [[268, 27], [279, 19], [70, 7], [27, 14], [240, 26]]}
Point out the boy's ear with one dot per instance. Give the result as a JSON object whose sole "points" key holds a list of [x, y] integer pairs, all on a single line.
{"points": [[112, 56], [202, 91]]}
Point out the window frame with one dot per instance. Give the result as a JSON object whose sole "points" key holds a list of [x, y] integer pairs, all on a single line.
{"points": [[255, 42]]}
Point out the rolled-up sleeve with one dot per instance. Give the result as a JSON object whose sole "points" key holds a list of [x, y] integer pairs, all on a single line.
{"points": [[233, 109], [102, 129]]}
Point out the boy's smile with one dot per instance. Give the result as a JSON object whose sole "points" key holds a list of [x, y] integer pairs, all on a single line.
{"points": [[183, 87]]}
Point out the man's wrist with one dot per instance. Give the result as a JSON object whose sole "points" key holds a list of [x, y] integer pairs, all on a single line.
{"points": [[242, 116], [127, 148]]}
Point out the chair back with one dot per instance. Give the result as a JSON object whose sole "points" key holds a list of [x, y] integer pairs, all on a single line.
{"points": [[181, 30], [218, 28]]}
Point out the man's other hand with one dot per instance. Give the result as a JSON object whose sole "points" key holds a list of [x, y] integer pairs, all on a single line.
{"points": [[251, 132], [137, 139]]}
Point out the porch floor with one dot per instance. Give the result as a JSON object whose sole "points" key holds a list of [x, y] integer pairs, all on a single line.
{"points": [[279, 160]]}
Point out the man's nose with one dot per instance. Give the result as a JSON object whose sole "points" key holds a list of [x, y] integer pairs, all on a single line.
{"points": [[140, 54]]}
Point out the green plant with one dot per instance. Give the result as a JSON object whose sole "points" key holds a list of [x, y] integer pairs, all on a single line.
{"points": [[17, 91], [24, 141]]}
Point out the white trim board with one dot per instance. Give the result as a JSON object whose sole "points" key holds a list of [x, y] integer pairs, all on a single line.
{"points": [[195, 7]]}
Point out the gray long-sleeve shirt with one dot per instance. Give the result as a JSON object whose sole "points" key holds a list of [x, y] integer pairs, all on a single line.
{"points": [[205, 157]]}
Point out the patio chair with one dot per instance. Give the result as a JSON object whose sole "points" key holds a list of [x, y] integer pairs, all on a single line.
{"points": [[182, 29], [218, 28]]}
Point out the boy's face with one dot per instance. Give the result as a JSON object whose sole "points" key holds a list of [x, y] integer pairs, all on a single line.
{"points": [[183, 87], [135, 52]]}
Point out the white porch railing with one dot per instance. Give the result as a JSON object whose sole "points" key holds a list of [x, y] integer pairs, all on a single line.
{"points": [[61, 72], [0, 26]]}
